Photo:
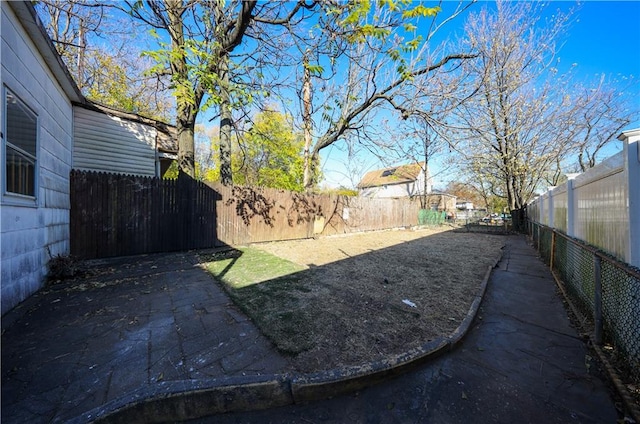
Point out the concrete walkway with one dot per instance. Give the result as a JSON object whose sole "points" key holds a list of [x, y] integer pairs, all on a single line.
{"points": [[137, 322], [521, 362], [160, 322]]}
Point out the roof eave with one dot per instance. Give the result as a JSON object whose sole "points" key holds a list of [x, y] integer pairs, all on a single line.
{"points": [[629, 133], [386, 183], [29, 19]]}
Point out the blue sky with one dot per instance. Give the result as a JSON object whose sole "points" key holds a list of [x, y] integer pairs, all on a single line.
{"points": [[604, 38]]}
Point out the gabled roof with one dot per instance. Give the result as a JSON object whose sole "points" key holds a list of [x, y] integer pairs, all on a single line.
{"points": [[394, 175]]}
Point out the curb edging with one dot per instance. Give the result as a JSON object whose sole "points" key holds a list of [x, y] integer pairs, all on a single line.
{"points": [[190, 399]]}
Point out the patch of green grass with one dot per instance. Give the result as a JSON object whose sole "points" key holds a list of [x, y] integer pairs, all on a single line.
{"points": [[268, 289], [247, 266]]}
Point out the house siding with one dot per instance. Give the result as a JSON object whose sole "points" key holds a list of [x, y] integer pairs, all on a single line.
{"points": [[404, 189], [389, 190], [111, 144], [33, 231]]}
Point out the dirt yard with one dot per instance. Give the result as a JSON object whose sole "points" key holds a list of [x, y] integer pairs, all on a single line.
{"points": [[370, 295]]}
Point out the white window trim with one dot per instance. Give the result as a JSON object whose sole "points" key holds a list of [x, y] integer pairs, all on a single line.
{"points": [[17, 199]]}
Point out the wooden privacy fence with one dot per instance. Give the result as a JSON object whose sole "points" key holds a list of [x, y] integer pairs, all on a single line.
{"points": [[249, 215], [118, 215]]}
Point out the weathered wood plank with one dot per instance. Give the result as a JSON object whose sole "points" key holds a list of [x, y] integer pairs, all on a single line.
{"points": [[113, 215]]}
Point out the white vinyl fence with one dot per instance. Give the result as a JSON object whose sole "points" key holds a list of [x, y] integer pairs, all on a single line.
{"points": [[601, 206]]}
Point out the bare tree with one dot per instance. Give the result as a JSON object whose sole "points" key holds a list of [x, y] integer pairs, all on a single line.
{"points": [[528, 122], [390, 69], [97, 49], [515, 122], [69, 24], [603, 112]]}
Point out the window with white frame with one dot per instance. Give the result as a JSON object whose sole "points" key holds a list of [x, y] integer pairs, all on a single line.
{"points": [[21, 143]]}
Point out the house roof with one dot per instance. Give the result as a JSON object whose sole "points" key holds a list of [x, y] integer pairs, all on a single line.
{"points": [[393, 175]]}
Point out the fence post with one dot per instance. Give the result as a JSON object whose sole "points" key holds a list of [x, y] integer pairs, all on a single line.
{"points": [[553, 248], [571, 208], [541, 209], [551, 211], [631, 150], [597, 299]]}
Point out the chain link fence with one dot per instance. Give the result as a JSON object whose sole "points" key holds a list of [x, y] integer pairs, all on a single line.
{"points": [[605, 292]]}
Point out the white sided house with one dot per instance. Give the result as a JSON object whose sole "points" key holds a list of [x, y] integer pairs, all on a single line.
{"points": [[109, 140], [37, 146], [42, 112], [396, 182]]}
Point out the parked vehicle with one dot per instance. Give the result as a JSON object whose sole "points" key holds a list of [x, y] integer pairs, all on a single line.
{"points": [[493, 217], [505, 216]]}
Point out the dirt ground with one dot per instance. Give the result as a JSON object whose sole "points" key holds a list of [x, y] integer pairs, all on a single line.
{"points": [[374, 294]]}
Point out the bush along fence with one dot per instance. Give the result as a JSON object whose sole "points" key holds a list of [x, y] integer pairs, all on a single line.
{"points": [[604, 290], [429, 217]]}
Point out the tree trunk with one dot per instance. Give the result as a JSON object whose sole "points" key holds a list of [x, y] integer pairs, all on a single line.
{"points": [[186, 104], [226, 176], [306, 119], [185, 129], [519, 219], [426, 165]]}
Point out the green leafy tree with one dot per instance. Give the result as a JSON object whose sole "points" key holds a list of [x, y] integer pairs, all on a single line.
{"points": [[112, 83], [172, 172], [270, 154], [197, 40]]}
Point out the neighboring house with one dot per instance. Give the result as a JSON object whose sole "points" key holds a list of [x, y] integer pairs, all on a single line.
{"points": [[400, 181], [438, 201], [464, 205], [109, 140], [42, 111]]}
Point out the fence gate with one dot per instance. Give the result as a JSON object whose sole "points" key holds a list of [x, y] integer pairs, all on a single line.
{"points": [[119, 215]]}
